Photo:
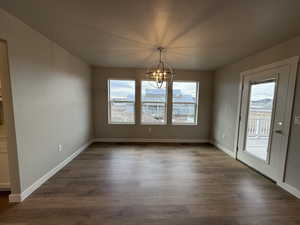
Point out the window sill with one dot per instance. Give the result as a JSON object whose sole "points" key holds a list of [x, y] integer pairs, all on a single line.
{"points": [[184, 124], [121, 123], [154, 124]]}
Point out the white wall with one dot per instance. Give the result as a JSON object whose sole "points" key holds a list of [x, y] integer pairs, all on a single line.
{"points": [[51, 93], [226, 102]]}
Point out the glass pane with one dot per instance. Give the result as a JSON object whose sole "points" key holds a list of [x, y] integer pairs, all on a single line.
{"points": [[185, 92], [260, 118], [122, 90], [150, 93], [153, 113], [122, 112], [183, 113]]}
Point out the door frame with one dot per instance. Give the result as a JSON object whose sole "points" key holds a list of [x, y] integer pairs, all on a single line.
{"points": [[293, 65], [13, 162]]}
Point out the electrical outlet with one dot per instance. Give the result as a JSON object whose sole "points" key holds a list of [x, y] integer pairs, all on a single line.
{"points": [[297, 120], [223, 135], [60, 147]]}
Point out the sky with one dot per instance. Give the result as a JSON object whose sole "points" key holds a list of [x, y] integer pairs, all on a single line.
{"points": [[187, 88], [262, 91], [121, 88]]}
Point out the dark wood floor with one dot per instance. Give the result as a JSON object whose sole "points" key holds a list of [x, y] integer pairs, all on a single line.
{"points": [[3, 201], [152, 184]]}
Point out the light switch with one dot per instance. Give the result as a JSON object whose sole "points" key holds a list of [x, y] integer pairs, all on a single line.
{"points": [[297, 120]]}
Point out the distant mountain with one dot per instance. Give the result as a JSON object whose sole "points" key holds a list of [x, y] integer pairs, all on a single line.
{"points": [[265, 104]]}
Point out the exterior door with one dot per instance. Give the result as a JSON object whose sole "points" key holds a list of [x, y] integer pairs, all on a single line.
{"points": [[263, 127]]}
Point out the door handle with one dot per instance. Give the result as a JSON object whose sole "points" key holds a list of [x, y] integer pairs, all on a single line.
{"points": [[279, 131]]}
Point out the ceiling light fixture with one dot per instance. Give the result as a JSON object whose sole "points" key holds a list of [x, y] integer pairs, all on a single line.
{"points": [[161, 72]]}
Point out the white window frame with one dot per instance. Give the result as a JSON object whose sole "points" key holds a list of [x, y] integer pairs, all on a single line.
{"points": [[185, 103], [141, 107], [109, 102]]}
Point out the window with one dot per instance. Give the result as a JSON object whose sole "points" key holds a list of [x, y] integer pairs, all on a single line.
{"points": [[185, 101], [121, 97], [154, 103]]}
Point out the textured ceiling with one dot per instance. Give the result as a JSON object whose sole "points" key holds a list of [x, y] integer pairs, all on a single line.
{"points": [[198, 34]]}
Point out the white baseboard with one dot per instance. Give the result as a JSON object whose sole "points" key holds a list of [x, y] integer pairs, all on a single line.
{"points": [[290, 189], [283, 185], [226, 150], [148, 140], [48, 175], [15, 198], [4, 186], [22, 196]]}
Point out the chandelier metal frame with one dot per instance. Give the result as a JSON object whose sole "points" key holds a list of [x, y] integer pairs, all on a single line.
{"points": [[161, 72]]}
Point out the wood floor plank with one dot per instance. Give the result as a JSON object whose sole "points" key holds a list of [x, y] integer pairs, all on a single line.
{"points": [[157, 184]]}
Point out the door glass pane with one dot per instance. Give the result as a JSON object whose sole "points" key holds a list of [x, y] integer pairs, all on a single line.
{"points": [[260, 119]]}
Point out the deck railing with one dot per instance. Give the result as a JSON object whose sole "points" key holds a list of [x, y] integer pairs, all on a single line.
{"points": [[259, 124]]}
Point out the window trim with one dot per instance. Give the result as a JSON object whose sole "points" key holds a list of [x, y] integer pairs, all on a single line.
{"points": [[141, 106], [109, 102], [196, 104]]}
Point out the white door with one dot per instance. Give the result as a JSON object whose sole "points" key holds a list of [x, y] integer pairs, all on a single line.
{"points": [[263, 128]]}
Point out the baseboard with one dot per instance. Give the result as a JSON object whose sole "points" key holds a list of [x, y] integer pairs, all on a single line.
{"points": [[224, 149], [15, 198], [150, 140], [22, 196], [4, 186], [285, 186], [290, 189]]}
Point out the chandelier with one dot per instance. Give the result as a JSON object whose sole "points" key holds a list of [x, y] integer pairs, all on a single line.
{"points": [[160, 72]]}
